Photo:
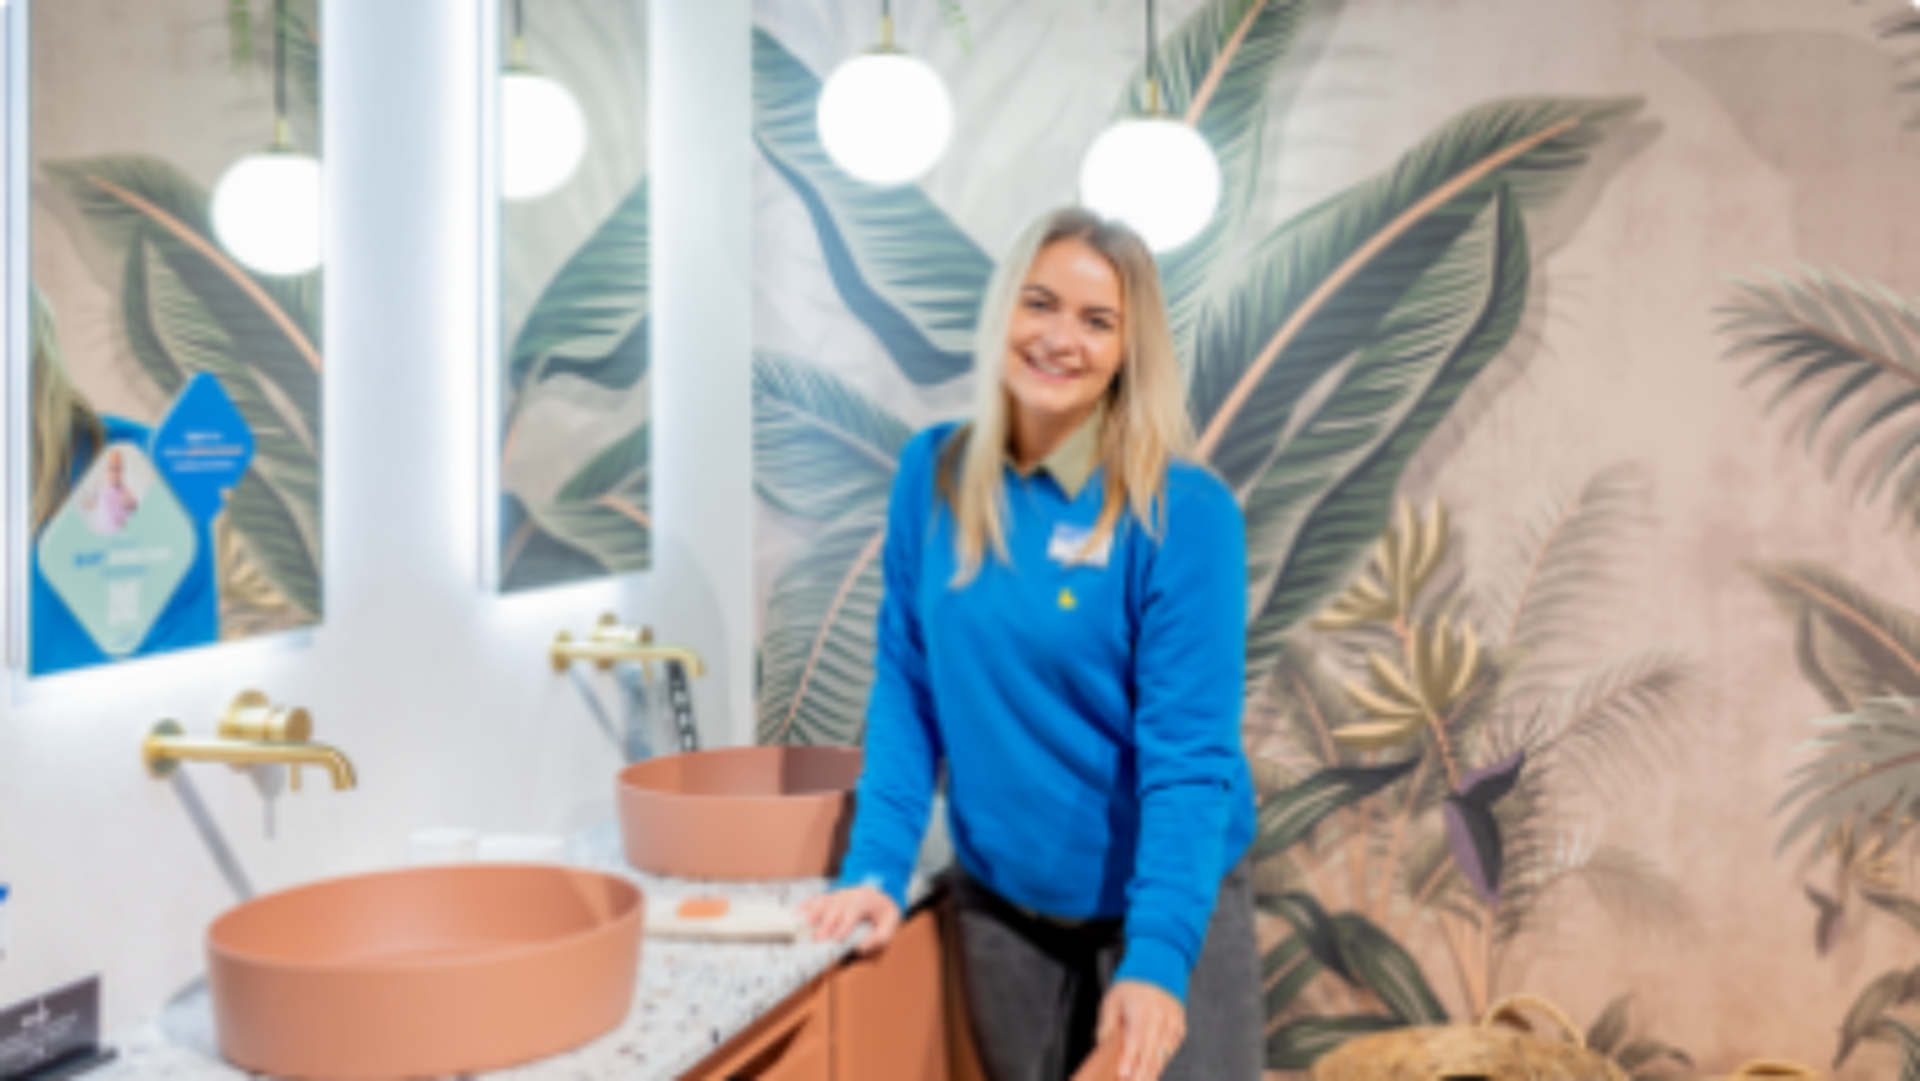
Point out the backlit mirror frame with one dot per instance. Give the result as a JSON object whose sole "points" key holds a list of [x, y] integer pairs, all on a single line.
{"points": [[193, 357], [566, 293]]}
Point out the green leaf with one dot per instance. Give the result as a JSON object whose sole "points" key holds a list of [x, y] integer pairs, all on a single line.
{"points": [[596, 525], [1311, 295], [816, 655], [1851, 645], [1609, 1032], [901, 265], [591, 320], [187, 307], [1311, 925], [1867, 764], [1221, 60], [1380, 964], [275, 542], [622, 467], [1904, 909], [264, 324], [1288, 968], [1288, 817], [1297, 1045], [1863, 1017], [820, 447], [1324, 498], [1907, 1040], [1851, 347], [532, 558]]}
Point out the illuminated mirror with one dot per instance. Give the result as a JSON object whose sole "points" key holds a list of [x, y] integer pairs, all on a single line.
{"points": [[167, 426], [568, 436]]}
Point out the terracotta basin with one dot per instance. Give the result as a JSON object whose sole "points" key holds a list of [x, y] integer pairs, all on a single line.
{"points": [[740, 813], [424, 972]]}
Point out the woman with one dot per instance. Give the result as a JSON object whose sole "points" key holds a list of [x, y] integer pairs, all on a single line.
{"points": [[1063, 632]]}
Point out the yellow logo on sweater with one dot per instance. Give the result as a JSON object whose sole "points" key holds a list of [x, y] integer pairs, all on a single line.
{"points": [[1067, 603]]}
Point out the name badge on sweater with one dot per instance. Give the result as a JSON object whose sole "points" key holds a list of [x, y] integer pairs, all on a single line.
{"points": [[1069, 547]]}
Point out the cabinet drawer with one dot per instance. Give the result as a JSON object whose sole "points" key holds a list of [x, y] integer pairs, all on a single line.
{"points": [[788, 1044]]}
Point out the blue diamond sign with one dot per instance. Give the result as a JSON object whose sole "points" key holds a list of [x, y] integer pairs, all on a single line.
{"points": [[118, 548], [203, 447]]}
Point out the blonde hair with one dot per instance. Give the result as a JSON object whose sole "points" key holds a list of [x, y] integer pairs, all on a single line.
{"points": [[1146, 418], [65, 427]]}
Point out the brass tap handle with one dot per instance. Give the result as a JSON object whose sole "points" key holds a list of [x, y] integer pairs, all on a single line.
{"points": [[251, 716]]}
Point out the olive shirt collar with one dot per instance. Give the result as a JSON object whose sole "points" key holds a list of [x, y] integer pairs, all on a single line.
{"points": [[1072, 462]]}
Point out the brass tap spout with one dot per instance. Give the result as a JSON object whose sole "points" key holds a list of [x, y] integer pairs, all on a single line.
{"points": [[168, 745], [611, 642]]}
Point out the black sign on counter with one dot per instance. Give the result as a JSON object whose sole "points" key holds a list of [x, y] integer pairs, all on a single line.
{"points": [[53, 1035]]}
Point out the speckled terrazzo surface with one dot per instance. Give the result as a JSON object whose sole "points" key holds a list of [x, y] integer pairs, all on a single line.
{"points": [[691, 998]]}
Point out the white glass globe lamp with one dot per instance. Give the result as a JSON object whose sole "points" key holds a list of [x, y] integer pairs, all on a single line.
{"points": [[1155, 174], [266, 211], [884, 116], [543, 134]]}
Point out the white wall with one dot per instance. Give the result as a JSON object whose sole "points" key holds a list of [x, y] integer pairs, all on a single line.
{"points": [[439, 692]]}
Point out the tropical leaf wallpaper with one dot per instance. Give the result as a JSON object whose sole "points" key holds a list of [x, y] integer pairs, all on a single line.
{"points": [[574, 301], [136, 111], [1566, 361]]}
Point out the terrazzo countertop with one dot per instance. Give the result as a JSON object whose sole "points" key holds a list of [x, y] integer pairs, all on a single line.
{"points": [[691, 998]]}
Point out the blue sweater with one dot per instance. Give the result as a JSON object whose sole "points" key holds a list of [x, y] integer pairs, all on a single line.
{"points": [[1088, 716]]}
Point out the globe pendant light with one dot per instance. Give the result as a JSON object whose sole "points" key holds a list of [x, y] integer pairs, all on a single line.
{"points": [[884, 116], [543, 133], [266, 206], [1152, 172]]}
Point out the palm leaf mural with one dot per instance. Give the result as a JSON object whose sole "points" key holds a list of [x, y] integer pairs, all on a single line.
{"points": [[1865, 773], [1483, 832], [1214, 71], [1849, 353], [900, 264], [1852, 647], [592, 324], [819, 446], [1322, 357], [816, 662], [187, 307]]}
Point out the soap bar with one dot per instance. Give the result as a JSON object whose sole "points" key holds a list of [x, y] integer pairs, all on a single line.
{"points": [[702, 908], [714, 919]]}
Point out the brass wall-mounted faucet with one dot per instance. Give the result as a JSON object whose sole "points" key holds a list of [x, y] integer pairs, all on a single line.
{"points": [[609, 642], [253, 732]]}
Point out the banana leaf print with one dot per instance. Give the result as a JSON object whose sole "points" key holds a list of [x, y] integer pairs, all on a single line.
{"points": [[1318, 359], [1420, 273], [590, 323], [816, 658], [188, 307], [900, 264]]}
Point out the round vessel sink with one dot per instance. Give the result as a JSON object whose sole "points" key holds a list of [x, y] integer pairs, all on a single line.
{"points": [[740, 813], [424, 972]]}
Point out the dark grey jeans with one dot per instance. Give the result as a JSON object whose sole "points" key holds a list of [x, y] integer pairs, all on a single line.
{"points": [[1034, 987]]}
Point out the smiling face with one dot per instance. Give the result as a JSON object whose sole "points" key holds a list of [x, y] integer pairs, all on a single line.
{"points": [[1065, 343]]}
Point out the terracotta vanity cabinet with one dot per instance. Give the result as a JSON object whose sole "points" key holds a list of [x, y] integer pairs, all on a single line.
{"points": [[789, 1043], [889, 1012], [895, 1017]]}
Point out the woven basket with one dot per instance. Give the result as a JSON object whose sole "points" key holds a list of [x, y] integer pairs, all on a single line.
{"points": [[1501, 1047]]}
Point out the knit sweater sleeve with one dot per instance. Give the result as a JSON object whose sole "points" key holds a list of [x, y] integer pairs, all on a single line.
{"points": [[903, 749], [1188, 668]]}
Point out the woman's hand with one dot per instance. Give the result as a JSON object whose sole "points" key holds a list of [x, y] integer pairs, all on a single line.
{"points": [[833, 917], [1150, 1024]]}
